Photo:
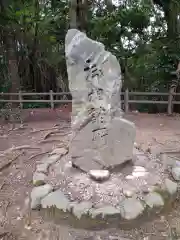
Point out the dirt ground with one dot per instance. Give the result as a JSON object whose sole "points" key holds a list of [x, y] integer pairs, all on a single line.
{"points": [[157, 132]]}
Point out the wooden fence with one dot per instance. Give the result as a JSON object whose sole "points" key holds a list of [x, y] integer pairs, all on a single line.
{"points": [[125, 95]]}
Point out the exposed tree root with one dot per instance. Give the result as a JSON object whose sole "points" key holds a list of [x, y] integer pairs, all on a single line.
{"points": [[55, 132], [18, 148], [49, 134], [42, 130], [56, 127], [60, 125], [36, 155], [7, 164], [158, 141], [24, 147], [49, 141], [171, 152], [3, 183], [6, 205], [18, 128], [63, 145]]}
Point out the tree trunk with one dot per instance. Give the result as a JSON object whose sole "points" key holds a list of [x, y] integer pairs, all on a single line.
{"points": [[8, 39], [82, 12], [171, 9], [12, 65], [73, 13], [171, 15], [78, 14]]}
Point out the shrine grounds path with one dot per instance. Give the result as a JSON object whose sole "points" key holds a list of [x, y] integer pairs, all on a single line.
{"points": [[155, 133]]}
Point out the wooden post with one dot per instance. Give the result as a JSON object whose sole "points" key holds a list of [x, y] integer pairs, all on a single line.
{"points": [[126, 100], [170, 100], [20, 100], [51, 99]]}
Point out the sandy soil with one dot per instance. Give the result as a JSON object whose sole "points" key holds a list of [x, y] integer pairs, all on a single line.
{"points": [[159, 132]]}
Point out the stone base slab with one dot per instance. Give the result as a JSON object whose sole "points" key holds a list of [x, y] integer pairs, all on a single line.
{"points": [[145, 185], [118, 147]]}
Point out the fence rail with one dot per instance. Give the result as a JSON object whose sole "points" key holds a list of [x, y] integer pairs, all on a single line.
{"points": [[126, 98]]}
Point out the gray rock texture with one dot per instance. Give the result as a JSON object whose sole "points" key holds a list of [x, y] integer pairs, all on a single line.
{"points": [[43, 168], [81, 209], [171, 186], [104, 212], [131, 208], [99, 175], [176, 173], [38, 193], [56, 199], [154, 199], [51, 158]]}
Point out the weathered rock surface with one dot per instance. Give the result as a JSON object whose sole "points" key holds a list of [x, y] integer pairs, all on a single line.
{"points": [[43, 168], [176, 173], [154, 199], [39, 178], [177, 163], [104, 212], [129, 192], [38, 193], [131, 208], [56, 199], [99, 175], [139, 171], [48, 160], [101, 138], [171, 186], [84, 159], [82, 208]]}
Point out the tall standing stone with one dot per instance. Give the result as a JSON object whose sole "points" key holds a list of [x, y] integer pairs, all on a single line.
{"points": [[102, 138]]}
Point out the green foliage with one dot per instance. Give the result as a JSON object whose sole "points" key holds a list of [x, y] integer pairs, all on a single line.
{"points": [[136, 31], [35, 105]]}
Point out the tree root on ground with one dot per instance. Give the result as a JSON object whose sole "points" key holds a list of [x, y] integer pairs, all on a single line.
{"points": [[171, 152], [6, 205], [3, 183], [55, 132], [63, 145], [42, 130], [18, 128], [7, 164], [158, 141], [9, 150], [48, 129], [49, 141], [60, 124], [36, 155]]}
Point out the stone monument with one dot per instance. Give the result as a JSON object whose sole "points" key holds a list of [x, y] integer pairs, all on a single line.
{"points": [[101, 138]]}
